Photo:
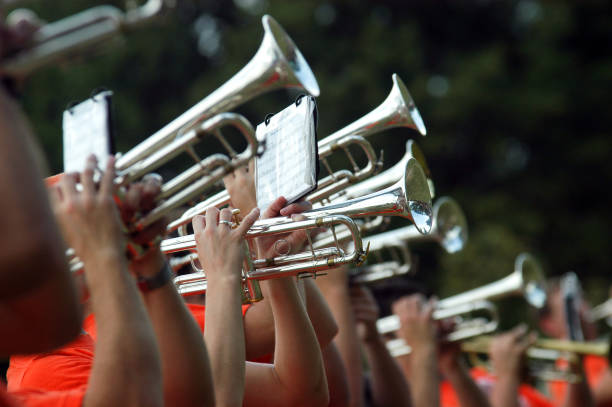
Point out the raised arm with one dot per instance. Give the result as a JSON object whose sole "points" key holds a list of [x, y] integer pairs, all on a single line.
{"points": [[297, 377], [335, 289], [506, 353], [389, 387], [38, 299], [221, 251], [187, 377], [454, 369], [419, 331], [126, 367]]}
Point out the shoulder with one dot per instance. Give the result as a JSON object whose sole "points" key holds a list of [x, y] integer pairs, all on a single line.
{"points": [[63, 369]]}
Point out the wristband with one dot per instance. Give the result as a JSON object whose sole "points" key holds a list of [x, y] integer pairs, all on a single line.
{"points": [[146, 284]]}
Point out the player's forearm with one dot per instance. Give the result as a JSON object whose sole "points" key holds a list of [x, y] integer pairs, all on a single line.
{"points": [[337, 383], [187, 377], [505, 391], [424, 383], [468, 392], [301, 374], [320, 314], [335, 291], [389, 387], [224, 336], [126, 359]]}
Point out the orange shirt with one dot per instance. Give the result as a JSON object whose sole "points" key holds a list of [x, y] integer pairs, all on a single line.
{"points": [[528, 396], [5, 399], [59, 378], [64, 369], [594, 368]]}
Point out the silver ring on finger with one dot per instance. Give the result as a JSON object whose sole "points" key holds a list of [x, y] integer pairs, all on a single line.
{"points": [[227, 222]]}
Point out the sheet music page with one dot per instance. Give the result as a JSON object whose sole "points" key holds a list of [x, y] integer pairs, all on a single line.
{"points": [[288, 165], [86, 131]]}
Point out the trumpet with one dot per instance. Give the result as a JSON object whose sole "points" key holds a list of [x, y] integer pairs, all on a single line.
{"points": [[204, 174], [389, 176], [602, 311], [449, 229], [278, 63], [77, 33], [548, 351], [526, 280], [301, 264], [397, 110], [408, 198], [484, 319], [333, 182]]}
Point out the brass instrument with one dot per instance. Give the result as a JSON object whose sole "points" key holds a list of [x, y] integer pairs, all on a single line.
{"points": [[335, 181], [77, 33], [397, 110], [409, 199], [301, 264], [526, 280], [278, 63], [388, 177], [469, 322], [543, 355], [449, 229], [375, 183], [204, 174], [602, 311]]}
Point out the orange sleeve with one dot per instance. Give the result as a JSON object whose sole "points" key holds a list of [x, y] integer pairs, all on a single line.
{"points": [[37, 398]]}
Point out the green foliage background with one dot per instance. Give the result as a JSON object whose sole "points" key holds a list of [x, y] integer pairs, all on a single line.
{"points": [[515, 96]]}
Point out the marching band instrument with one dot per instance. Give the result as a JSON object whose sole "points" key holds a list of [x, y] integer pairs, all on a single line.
{"points": [[388, 177], [278, 63], [204, 174], [333, 182], [602, 311], [307, 263], [397, 110], [74, 34], [547, 352], [526, 280], [449, 229], [408, 198], [465, 326]]}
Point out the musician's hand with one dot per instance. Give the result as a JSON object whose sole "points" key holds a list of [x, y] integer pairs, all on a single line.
{"points": [[288, 243], [508, 351], [221, 248], [241, 187], [17, 32], [139, 199], [89, 218], [366, 312], [417, 326]]}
